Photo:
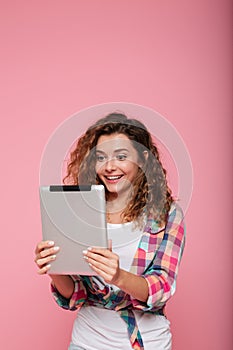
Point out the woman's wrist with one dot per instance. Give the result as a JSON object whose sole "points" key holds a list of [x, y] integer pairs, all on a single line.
{"points": [[135, 286], [64, 285]]}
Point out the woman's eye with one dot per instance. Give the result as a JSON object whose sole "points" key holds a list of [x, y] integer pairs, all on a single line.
{"points": [[100, 158], [121, 156]]}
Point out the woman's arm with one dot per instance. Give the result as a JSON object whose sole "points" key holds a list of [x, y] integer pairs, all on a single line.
{"points": [[63, 284], [106, 264], [135, 286], [162, 273], [157, 284]]}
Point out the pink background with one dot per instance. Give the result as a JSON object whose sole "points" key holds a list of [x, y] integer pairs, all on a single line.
{"points": [[58, 57]]}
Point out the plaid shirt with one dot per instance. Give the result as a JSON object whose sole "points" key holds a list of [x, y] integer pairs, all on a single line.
{"points": [[157, 259]]}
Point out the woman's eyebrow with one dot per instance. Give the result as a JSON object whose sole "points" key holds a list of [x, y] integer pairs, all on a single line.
{"points": [[115, 150], [121, 150]]}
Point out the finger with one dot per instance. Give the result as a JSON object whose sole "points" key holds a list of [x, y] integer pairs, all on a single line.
{"points": [[110, 245], [46, 252], [97, 270], [108, 259], [43, 245], [108, 276], [44, 269], [101, 251], [45, 261], [102, 263], [98, 267]]}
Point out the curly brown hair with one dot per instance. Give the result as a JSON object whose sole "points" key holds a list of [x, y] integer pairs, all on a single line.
{"points": [[151, 194]]}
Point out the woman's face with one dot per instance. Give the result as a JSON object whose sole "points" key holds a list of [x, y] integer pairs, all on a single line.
{"points": [[116, 162]]}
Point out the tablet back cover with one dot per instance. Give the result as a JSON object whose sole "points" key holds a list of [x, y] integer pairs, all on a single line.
{"points": [[74, 217]]}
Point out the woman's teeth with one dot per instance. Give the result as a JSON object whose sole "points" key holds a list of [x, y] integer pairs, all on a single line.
{"points": [[113, 177]]}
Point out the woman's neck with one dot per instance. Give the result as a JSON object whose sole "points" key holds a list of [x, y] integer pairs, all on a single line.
{"points": [[116, 204], [117, 201]]}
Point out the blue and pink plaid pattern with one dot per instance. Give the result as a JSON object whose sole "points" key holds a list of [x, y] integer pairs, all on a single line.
{"points": [[157, 259]]}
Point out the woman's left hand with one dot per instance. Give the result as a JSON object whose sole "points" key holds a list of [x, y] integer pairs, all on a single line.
{"points": [[104, 262]]}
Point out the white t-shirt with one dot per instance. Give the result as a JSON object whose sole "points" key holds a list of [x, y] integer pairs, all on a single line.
{"points": [[102, 329]]}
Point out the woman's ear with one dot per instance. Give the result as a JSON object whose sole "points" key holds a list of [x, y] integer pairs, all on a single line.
{"points": [[146, 155]]}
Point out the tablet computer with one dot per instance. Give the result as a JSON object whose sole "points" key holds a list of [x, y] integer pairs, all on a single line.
{"points": [[74, 217]]}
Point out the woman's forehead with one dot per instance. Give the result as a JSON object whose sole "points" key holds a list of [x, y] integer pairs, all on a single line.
{"points": [[114, 141]]}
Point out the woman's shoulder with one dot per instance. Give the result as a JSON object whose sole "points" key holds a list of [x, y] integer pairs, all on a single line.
{"points": [[175, 210], [175, 216], [175, 220]]}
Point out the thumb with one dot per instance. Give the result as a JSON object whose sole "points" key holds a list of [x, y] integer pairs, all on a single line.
{"points": [[110, 245]]}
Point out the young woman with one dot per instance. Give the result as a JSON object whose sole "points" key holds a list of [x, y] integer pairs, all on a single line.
{"points": [[122, 307]]}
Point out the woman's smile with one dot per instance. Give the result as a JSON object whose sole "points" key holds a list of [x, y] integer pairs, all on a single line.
{"points": [[113, 178], [116, 163]]}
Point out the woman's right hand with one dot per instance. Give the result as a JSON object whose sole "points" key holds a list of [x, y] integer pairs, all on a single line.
{"points": [[45, 252]]}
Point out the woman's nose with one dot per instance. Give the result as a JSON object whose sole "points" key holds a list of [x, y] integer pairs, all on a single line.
{"points": [[110, 165]]}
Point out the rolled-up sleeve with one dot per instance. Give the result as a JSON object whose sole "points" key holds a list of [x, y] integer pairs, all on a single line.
{"points": [[162, 273], [77, 299]]}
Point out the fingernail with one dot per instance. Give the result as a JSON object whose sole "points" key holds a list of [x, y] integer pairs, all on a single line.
{"points": [[51, 243], [84, 252], [56, 249], [89, 248], [48, 266], [53, 257]]}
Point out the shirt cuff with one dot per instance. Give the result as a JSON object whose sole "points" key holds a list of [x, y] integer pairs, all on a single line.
{"points": [[158, 294], [76, 300]]}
